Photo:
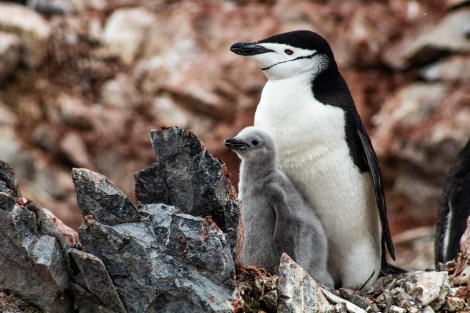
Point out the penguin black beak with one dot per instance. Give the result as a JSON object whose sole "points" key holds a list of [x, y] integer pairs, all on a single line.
{"points": [[235, 144], [248, 48]]}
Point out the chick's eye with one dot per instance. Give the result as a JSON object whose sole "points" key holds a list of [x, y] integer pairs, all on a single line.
{"points": [[254, 142], [289, 52]]}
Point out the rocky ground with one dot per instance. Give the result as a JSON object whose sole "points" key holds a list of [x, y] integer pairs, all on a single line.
{"points": [[84, 89], [167, 253]]}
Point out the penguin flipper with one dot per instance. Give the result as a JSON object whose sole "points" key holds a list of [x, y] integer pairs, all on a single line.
{"points": [[373, 165], [284, 222]]}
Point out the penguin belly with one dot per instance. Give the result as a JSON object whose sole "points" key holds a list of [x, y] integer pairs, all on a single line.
{"points": [[349, 216], [259, 221]]}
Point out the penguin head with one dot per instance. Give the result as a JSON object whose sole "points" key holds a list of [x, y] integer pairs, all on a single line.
{"points": [[288, 54], [252, 144]]}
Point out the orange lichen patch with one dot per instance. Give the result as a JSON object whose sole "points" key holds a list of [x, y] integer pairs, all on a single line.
{"points": [[238, 306], [226, 172], [162, 128], [205, 231], [463, 292], [22, 201]]}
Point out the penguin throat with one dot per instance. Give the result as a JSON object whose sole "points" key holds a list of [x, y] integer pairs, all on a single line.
{"points": [[298, 58]]}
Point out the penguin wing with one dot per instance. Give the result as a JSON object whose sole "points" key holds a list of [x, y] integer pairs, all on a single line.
{"points": [[278, 201], [373, 165], [285, 239]]}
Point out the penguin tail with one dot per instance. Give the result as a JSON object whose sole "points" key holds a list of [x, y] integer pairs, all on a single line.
{"points": [[389, 269]]}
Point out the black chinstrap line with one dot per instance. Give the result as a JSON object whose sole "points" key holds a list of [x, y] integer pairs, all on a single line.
{"points": [[298, 58]]}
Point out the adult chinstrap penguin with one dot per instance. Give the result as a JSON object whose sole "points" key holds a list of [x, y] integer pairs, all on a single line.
{"points": [[322, 146], [276, 217], [454, 209]]}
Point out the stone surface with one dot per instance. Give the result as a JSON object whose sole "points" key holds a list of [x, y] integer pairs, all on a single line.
{"points": [[460, 268], [452, 68], [456, 3], [431, 288], [257, 288], [70, 235], [170, 263], [32, 261], [450, 35], [100, 199], [430, 291], [11, 304], [9, 54], [92, 274], [9, 147], [415, 248], [189, 178], [409, 106], [345, 306], [33, 31], [297, 291], [125, 33], [8, 183], [120, 93]]}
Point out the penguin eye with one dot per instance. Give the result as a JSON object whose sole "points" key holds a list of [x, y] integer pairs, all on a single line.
{"points": [[289, 52], [254, 142]]}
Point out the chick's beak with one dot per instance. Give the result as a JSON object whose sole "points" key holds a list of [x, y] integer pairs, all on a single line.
{"points": [[235, 144]]}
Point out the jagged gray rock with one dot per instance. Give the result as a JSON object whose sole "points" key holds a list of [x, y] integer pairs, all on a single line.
{"points": [[8, 183], [98, 197], [32, 262], [158, 259], [189, 178], [93, 286]]}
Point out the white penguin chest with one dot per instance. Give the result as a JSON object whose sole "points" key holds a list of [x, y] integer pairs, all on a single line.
{"points": [[301, 126]]}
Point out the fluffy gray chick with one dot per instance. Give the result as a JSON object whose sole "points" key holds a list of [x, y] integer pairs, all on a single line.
{"points": [[276, 217]]}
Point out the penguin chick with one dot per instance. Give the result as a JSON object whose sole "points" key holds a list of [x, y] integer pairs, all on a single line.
{"points": [[323, 148], [276, 217], [454, 209]]}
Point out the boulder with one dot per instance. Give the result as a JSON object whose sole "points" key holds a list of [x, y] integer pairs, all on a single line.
{"points": [[298, 292], [189, 178], [453, 68], [9, 54], [93, 285], [99, 198], [32, 29], [125, 33], [449, 35], [32, 262], [157, 259], [8, 183]]}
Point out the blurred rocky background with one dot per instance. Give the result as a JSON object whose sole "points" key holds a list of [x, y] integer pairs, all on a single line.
{"points": [[83, 88]]}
